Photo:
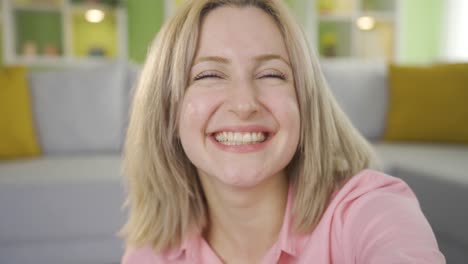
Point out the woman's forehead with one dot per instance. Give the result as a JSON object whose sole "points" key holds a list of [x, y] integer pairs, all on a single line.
{"points": [[245, 31]]}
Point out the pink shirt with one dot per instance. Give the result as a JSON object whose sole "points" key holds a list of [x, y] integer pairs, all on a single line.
{"points": [[373, 218]]}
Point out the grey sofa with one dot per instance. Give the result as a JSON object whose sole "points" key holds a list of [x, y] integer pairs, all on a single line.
{"points": [[437, 173], [65, 206]]}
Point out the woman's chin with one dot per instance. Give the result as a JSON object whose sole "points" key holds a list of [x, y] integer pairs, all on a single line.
{"points": [[247, 176], [246, 179]]}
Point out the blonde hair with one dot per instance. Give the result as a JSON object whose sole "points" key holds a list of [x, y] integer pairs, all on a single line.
{"points": [[165, 198]]}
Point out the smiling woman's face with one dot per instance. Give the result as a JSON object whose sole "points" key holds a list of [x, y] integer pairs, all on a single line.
{"points": [[239, 121]]}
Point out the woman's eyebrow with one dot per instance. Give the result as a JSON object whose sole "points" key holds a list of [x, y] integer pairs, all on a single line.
{"points": [[267, 57], [260, 58], [212, 58]]}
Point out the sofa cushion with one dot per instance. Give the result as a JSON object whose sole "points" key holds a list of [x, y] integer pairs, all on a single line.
{"points": [[437, 174], [60, 198], [17, 132], [442, 202], [361, 90], [79, 110], [61, 210], [428, 103], [79, 251]]}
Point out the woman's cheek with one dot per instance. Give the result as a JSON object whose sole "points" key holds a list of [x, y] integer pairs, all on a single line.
{"points": [[197, 107], [283, 104]]}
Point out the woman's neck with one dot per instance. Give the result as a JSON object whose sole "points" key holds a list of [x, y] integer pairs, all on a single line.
{"points": [[245, 222]]}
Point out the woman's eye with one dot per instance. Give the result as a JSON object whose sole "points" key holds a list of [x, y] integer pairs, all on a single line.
{"points": [[273, 75], [206, 76]]}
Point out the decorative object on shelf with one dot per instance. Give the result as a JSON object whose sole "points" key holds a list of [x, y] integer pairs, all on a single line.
{"points": [[365, 23], [328, 42], [51, 49], [358, 29], [96, 52], [29, 49], [325, 6]]}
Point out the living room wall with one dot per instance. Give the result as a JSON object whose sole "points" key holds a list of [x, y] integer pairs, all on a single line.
{"points": [[421, 36]]}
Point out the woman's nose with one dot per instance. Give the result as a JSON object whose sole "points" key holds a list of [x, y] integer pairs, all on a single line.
{"points": [[242, 100]]}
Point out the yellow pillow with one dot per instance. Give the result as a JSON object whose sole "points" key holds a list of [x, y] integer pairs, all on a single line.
{"points": [[428, 103], [17, 134]]}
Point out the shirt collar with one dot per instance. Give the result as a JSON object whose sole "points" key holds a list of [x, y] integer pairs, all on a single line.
{"points": [[177, 252]]}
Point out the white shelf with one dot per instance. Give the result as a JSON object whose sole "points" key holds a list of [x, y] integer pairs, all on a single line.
{"points": [[335, 32], [66, 9], [40, 60]]}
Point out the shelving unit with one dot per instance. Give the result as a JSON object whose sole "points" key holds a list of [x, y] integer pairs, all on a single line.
{"points": [[335, 32], [55, 32]]}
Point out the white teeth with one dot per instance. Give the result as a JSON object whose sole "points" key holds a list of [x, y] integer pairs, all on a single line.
{"points": [[236, 138], [254, 137], [247, 138]]}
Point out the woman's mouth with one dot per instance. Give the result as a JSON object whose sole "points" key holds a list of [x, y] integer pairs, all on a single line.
{"points": [[230, 138]]}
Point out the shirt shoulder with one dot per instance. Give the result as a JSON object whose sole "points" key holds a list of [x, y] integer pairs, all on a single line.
{"points": [[377, 219], [369, 182]]}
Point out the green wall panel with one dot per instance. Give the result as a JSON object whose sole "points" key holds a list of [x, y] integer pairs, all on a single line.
{"points": [[42, 28], [145, 18]]}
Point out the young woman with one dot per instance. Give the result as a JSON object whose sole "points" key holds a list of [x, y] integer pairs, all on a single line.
{"points": [[237, 153]]}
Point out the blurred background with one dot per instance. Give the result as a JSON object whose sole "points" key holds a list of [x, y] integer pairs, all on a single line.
{"points": [[77, 31], [398, 68]]}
